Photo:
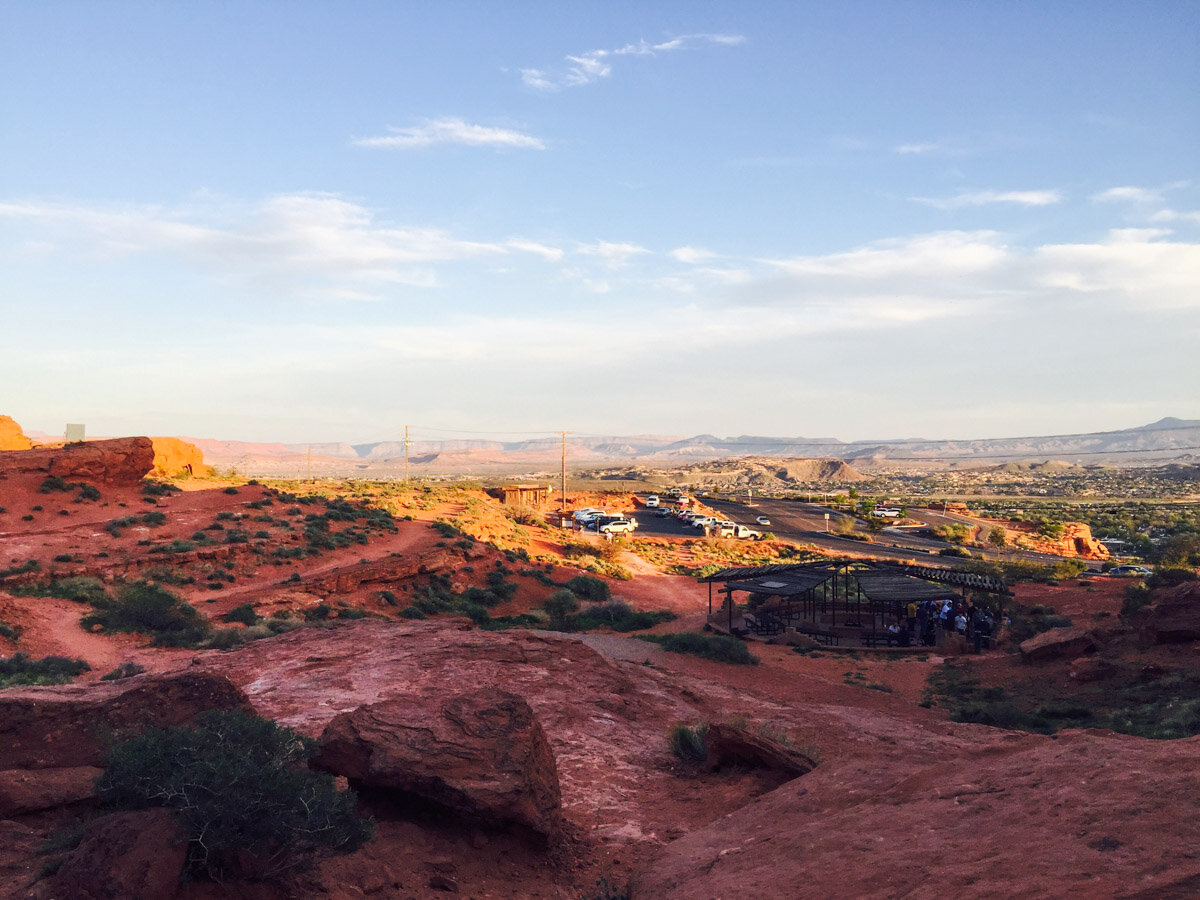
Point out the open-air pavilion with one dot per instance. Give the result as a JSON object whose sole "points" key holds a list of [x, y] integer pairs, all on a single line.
{"points": [[837, 598]]}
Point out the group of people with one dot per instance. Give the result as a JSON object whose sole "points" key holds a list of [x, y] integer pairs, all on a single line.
{"points": [[919, 622]]}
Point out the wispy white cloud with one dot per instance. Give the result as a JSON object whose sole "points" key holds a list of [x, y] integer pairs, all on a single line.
{"points": [[325, 244], [614, 254], [593, 65], [692, 255], [984, 198], [1128, 194], [451, 131]]}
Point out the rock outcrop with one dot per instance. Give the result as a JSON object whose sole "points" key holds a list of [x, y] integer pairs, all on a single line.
{"points": [[174, 458], [11, 435], [482, 755], [726, 745], [72, 725], [128, 854], [1173, 616], [118, 462], [1058, 643]]}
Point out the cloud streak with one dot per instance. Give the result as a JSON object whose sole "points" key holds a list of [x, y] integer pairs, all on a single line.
{"points": [[589, 67], [987, 198], [450, 131]]}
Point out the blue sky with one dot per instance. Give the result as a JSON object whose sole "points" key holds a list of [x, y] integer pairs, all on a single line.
{"points": [[324, 221]]}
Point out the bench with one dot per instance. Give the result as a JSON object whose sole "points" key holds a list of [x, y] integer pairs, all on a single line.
{"points": [[880, 638], [825, 637]]}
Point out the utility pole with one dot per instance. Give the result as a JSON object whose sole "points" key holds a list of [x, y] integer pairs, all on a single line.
{"points": [[308, 463], [562, 501], [406, 454]]}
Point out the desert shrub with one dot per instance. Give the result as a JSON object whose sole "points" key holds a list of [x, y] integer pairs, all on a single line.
{"points": [[955, 551], [12, 632], [152, 488], [231, 490], [558, 606], [717, 647], [318, 613], [589, 588], [412, 612], [237, 786], [244, 614], [30, 565], [1137, 595], [687, 742], [617, 615], [150, 608], [21, 669], [87, 492], [53, 483], [226, 638], [80, 589], [126, 669], [445, 529]]}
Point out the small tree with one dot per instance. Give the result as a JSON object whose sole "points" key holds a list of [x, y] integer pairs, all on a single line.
{"points": [[998, 537]]}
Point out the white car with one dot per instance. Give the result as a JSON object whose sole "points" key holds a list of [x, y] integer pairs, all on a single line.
{"points": [[619, 526], [763, 520]]}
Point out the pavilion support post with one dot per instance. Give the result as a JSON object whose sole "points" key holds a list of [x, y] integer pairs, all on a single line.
{"points": [[710, 599]]}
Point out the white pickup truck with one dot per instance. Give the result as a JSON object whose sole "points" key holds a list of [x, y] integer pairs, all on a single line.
{"points": [[734, 530]]}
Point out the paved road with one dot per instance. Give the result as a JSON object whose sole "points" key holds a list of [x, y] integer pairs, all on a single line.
{"points": [[805, 523]]}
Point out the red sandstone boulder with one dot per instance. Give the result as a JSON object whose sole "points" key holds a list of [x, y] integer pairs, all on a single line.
{"points": [[1173, 616], [73, 725], [726, 746], [30, 790], [1091, 669], [126, 855], [11, 435], [174, 457], [119, 462], [482, 755], [1058, 643]]}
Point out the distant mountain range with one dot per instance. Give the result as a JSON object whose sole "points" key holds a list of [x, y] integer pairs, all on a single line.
{"points": [[1167, 440]]}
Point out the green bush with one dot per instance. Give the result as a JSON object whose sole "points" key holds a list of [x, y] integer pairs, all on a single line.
{"points": [[688, 743], [244, 614], [236, 785], [587, 587], [21, 669], [717, 647], [558, 606], [150, 608], [617, 615]]}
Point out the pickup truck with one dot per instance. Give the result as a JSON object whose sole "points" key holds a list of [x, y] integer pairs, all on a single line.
{"points": [[733, 530]]}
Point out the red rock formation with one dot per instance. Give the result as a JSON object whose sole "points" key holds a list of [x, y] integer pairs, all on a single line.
{"points": [[120, 462], [11, 435], [30, 790], [726, 745], [72, 725], [1173, 616], [1058, 643], [128, 854], [482, 755], [174, 458]]}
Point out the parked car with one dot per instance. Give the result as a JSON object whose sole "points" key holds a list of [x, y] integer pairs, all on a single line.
{"points": [[662, 513], [763, 520], [1130, 571], [619, 526], [652, 501]]}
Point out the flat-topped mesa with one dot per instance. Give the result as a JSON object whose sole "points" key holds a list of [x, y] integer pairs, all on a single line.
{"points": [[119, 462]]}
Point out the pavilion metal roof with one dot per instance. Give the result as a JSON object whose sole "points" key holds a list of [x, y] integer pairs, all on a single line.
{"points": [[888, 586], [782, 584]]}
